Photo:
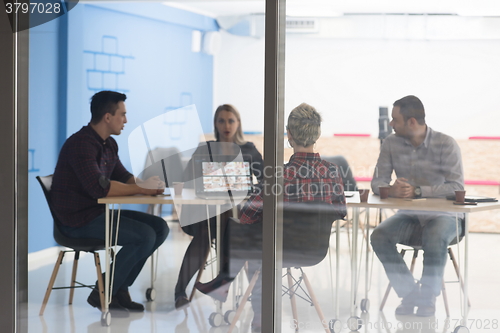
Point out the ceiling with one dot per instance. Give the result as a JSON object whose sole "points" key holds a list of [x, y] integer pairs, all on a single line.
{"points": [[332, 8]]}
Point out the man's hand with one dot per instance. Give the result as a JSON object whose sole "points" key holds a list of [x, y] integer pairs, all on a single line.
{"points": [[152, 186], [402, 189]]}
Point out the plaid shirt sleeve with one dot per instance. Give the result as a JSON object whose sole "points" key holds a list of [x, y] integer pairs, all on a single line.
{"points": [[252, 210]]}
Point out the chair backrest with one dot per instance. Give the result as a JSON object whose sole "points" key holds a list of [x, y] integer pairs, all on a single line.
{"points": [[78, 244], [171, 157], [46, 184], [306, 235], [345, 171]]}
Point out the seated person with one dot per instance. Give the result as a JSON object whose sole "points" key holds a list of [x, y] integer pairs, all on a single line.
{"points": [[304, 170], [229, 142], [89, 168], [427, 164]]}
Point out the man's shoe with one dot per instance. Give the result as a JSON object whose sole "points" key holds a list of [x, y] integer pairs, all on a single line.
{"points": [[405, 309], [426, 310], [409, 302], [116, 310], [427, 303], [181, 301], [123, 298]]}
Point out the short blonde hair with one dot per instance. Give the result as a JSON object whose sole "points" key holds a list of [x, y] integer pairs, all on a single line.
{"points": [[238, 136], [304, 125]]}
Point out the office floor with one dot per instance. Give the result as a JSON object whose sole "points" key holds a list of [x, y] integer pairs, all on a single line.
{"points": [[161, 316]]}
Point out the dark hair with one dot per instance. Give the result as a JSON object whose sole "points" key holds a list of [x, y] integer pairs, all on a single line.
{"points": [[411, 107], [104, 102]]}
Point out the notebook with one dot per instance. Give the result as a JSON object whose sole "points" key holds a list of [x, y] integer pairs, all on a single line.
{"points": [[221, 177], [474, 198]]}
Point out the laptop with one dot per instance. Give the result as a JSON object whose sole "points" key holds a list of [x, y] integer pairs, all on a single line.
{"points": [[222, 177]]}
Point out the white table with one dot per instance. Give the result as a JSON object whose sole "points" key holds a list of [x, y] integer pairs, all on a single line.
{"points": [[188, 197], [429, 204]]}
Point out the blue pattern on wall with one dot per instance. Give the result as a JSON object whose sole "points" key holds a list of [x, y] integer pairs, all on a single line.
{"points": [[31, 161], [108, 66], [175, 127]]}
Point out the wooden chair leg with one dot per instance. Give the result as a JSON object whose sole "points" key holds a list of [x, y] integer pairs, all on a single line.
{"points": [[73, 276], [293, 300], [386, 295], [100, 281], [244, 300], [315, 303], [389, 287], [457, 271], [51, 281], [445, 300]]}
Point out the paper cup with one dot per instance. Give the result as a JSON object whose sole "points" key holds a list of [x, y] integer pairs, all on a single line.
{"points": [[460, 196], [384, 191], [363, 195], [178, 186]]}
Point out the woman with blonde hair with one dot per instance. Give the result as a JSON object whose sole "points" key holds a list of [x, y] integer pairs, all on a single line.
{"points": [[229, 142]]}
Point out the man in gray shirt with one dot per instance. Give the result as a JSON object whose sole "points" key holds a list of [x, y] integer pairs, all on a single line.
{"points": [[427, 164]]}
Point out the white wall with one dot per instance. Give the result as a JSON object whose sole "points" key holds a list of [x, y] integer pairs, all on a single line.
{"points": [[348, 77]]}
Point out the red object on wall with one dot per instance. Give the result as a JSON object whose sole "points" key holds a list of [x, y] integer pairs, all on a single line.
{"points": [[350, 134], [467, 182], [484, 138]]}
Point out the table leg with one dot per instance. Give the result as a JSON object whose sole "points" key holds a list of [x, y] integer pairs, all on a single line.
{"points": [[466, 269], [106, 317], [367, 262], [354, 258], [219, 250], [354, 322]]}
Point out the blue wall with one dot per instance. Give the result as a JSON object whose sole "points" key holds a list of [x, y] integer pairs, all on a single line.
{"points": [[142, 50]]}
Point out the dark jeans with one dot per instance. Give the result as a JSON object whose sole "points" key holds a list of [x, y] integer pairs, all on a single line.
{"points": [[434, 238], [139, 234]]}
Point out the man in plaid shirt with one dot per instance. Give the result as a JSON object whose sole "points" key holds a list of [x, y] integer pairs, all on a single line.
{"points": [[89, 168]]}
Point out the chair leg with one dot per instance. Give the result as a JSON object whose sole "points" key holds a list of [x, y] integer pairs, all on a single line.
{"points": [[100, 282], [457, 271], [292, 296], [413, 260], [243, 301], [73, 276], [445, 300], [315, 303], [389, 287], [51, 281]]}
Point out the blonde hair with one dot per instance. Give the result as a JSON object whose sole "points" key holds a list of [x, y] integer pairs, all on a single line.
{"points": [[238, 136], [304, 125]]}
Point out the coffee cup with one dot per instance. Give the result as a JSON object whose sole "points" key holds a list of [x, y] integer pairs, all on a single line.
{"points": [[460, 196], [363, 195], [178, 186], [384, 191]]}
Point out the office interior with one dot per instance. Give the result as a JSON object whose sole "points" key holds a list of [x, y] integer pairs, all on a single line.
{"points": [[347, 59]]}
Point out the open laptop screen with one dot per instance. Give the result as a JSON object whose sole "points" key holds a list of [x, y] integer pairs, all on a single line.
{"points": [[219, 175], [223, 176]]}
